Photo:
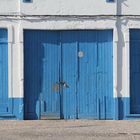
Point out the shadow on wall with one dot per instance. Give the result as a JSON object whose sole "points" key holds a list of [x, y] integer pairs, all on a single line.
{"points": [[120, 23], [120, 4]]}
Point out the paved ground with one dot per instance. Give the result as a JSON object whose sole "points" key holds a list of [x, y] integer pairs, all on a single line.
{"points": [[69, 130]]}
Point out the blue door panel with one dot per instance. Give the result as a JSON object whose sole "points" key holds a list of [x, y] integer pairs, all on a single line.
{"points": [[51, 76], [33, 55], [96, 75], [41, 72], [105, 74], [87, 94], [134, 71], [69, 73], [5, 103]]}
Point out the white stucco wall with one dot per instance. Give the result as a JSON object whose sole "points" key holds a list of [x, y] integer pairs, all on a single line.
{"points": [[57, 7], [8, 7], [120, 47], [130, 7], [120, 26], [68, 7], [81, 7]]}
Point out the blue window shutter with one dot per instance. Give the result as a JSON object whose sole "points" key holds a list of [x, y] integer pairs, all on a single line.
{"points": [[27, 0], [110, 0]]}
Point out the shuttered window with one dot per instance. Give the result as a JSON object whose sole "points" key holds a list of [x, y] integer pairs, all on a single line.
{"points": [[110, 0], [27, 0]]}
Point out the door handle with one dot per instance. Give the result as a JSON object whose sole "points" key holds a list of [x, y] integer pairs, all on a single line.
{"points": [[57, 86], [64, 84]]}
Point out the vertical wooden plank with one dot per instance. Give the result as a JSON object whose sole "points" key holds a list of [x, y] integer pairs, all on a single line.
{"points": [[69, 73], [87, 95], [105, 74], [51, 75]]}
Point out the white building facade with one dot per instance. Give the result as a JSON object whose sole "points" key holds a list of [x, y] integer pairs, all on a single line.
{"points": [[121, 18]]}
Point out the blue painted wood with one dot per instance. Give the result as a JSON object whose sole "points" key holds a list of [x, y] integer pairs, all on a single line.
{"points": [[90, 77], [134, 71], [33, 56], [95, 95], [5, 103], [41, 72], [87, 94], [82, 60], [105, 74], [51, 75], [69, 73]]}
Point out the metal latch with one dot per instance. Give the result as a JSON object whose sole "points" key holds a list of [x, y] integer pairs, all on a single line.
{"points": [[64, 84]]}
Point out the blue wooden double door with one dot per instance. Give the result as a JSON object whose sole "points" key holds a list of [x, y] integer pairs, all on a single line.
{"points": [[68, 74]]}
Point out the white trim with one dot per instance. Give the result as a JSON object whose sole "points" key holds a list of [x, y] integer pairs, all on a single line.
{"points": [[127, 58], [10, 69], [69, 26], [10, 60], [115, 46], [127, 94]]}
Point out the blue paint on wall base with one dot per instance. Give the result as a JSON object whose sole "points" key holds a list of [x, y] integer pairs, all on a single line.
{"points": [[17, 110], [121, 110]]}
